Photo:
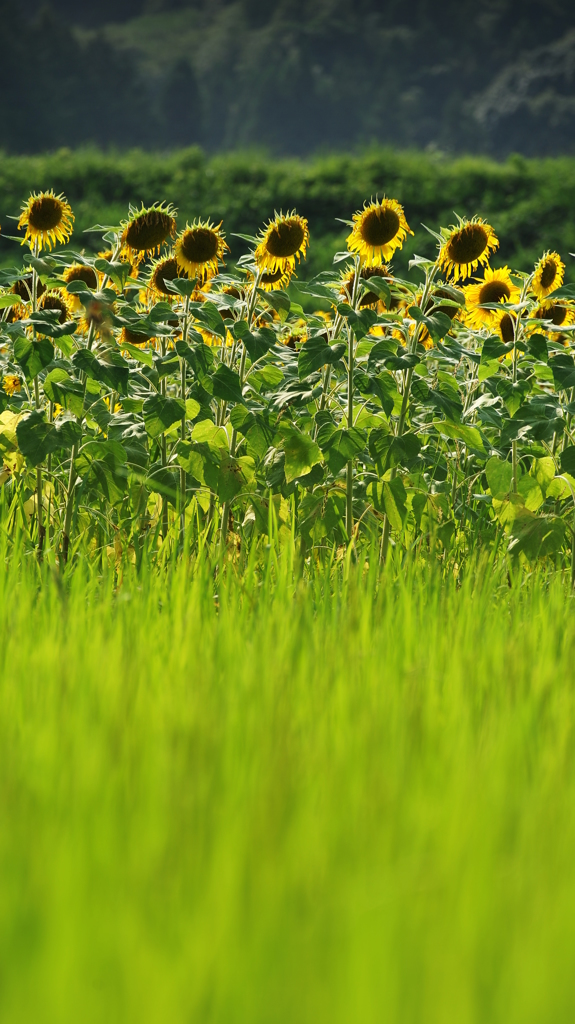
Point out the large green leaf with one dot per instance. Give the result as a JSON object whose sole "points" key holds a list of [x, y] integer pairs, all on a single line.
{"points": [[301, 453], [33, 356], [315, 353], [161, 413]]}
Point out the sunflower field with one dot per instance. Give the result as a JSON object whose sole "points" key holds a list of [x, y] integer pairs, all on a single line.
{"points": [[162, 396]]}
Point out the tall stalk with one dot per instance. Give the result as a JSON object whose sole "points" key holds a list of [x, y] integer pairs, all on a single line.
{"points": [[350, 364], [251, 305], [429, 278], [39, 486], [183, 425]]}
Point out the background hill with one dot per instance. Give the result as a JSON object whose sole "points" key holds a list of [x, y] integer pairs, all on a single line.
{"points": [[492, 76]]}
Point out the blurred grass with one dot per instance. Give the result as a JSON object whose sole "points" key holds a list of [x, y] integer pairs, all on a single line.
{"points": [[531, 203], [311, 802]]}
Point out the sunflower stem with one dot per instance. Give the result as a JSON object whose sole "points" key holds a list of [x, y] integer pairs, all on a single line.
{"points": [[164, 454], [70, 494], [350, 361], [429, 278], [183, 427]]}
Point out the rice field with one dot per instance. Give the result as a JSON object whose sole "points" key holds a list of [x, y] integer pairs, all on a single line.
{"points": [[269, 795]]}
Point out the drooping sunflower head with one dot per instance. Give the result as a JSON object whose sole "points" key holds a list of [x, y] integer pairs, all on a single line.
{"points": [[163, 270], [81, 272], [48, 219], [347, 282], [466, 246], [11, 383], [56, 301], [128, 336], [274, 281], [378, 230], [560, 315], [283, 241], [505, 327], [23, 288], [199, 250], [495, 287], [146, 230], [549, 274]]}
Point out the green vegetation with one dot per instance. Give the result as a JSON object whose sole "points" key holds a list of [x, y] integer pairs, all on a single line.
{"points": [[256, 799]]}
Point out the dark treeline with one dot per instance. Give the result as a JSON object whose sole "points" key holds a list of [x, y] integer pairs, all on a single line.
{"points": [[293, 76]]}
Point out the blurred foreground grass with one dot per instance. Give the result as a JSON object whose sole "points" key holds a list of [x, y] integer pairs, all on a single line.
{"points": [[288, 803]]}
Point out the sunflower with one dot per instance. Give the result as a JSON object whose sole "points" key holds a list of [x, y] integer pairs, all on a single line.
{"points": [[56, 301], [347, 282], [273, 281], [199, 249], [128, 336], [147, 230], [378, 230], [558, 314], [47, 218], [505, 327], [81, 272], [23, 288], [11, 383], [496, 286], [162, 270], [548, 276], [281, 243], [465, 246]]}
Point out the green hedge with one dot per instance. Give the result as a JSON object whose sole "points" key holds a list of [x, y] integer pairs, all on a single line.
{"points": [[531, 203]]}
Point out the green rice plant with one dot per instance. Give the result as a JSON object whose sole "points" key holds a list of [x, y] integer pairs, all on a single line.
{"points": [[260, 796]]}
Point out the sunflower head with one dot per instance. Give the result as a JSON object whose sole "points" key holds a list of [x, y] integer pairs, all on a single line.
{"points": [[378, 230], [146, 231], [23, 288], [56, 301], [496, 286], [132, 337], [549, 274], [466, 246], [274, 281], [283, 241], [347, 282], [560, 315], [11, 383], [505, 327], [163, 270], [81, 272], [48, 219], [199, 250]]}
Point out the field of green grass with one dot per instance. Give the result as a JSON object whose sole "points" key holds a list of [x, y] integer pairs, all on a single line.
{"points": [[269, 797]]}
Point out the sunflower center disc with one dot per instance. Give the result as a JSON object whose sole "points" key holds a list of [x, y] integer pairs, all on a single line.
{"points": [[85, 274], [272, 278], [494, 291], [378, 227], [148, 231], [167, 271], [45, 213], [134, 337], [548, 274], [507, 330], [54, 304], [199, 245], [558, 314], [468, 244], [285, 239]]}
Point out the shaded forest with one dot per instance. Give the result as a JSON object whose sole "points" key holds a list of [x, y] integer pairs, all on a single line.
{"points": [[494, 76]]}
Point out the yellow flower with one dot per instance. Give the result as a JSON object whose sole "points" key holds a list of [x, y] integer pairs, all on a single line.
{"points": [[505, 327], [271, 282], [162, 270], [199, 249], [496, 286], [47, 218], [56, 300], [549, 274], [23, 288], [11, 383], [466, 246], [282, 242], [347, 282], [57, 410], [133, 337], [558, 314], [80, 272], [147, 230], [378, 230]]}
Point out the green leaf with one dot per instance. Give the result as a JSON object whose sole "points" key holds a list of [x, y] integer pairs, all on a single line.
{"points": [[9, 300], [113, 370], [437, 325], [226, 384], [395, 501], [469, 436], [60, 387], [536, 536], [160, 413], [35, 437], [209, 315], [315, 353], [141, 355], [33, 356], [301, 453], [567, 459], [499, 475]]}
